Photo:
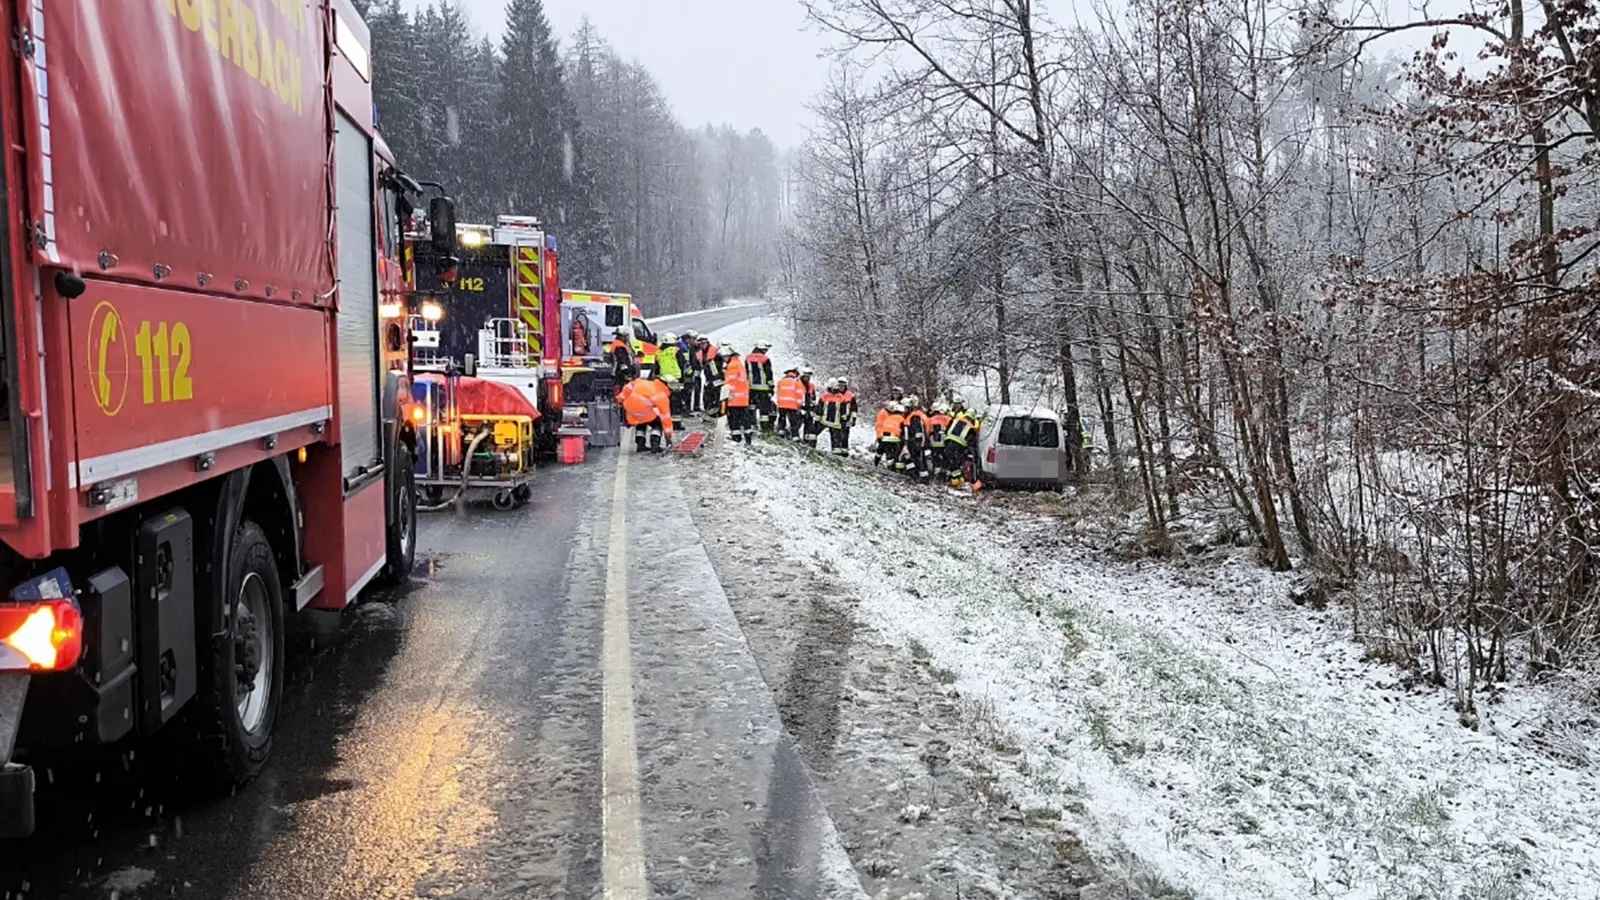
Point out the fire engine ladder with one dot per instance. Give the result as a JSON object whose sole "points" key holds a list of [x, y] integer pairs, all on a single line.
{"points": [[427, 350], [506, 344], [529, 298]]}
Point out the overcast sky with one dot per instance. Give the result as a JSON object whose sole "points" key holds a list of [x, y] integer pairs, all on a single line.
{"points": [[747, 63]]}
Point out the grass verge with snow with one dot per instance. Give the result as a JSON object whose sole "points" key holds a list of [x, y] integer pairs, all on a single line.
{"points": [[1206, 734]]}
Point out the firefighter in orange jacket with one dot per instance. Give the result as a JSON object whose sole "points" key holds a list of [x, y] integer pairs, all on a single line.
{"points": [[791, 395], [889, 425], [736, 396], [647, 404]]}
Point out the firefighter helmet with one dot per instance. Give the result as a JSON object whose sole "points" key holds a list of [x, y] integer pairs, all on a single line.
{"points": [[957, 401], [896, 407], [912, 401], [843, 381], [807, 371], [668, 337], [762, 345], [622, 334], [792, 370], [834, 385], [939, 406], [725, 350], [896, 391]]}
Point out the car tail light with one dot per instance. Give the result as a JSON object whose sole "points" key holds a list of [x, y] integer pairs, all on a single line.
{"points": [[991, 456]]}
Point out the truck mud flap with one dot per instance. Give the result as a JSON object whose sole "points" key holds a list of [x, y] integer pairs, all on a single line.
{"points": [[16, 782]]}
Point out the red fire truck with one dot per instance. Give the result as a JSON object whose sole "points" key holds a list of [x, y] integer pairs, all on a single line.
{"points": [[203, 337]]}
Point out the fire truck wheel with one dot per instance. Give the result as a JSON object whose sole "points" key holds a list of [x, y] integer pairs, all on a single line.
{"points": [[402, 532], [243, 678]]}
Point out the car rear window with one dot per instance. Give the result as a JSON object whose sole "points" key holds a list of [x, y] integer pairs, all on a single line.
{"points": [[1022, 431]]}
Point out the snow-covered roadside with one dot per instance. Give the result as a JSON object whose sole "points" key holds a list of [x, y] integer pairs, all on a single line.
{"points": [[1197, 724]]}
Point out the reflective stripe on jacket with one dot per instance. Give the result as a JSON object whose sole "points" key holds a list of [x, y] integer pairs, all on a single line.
{"points": [[738, 382], [668, 365], [938, 428], [760, 369], [791, 393], [916, 428], [889, 426], [961, 428], [838, 408], [645, 400]]}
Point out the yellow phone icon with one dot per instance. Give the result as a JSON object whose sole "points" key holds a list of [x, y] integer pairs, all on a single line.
{"points": [[108, 336]]}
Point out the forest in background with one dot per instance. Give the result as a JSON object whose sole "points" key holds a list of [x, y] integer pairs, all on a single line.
{"points": [[1328, 282], [680, 217]]}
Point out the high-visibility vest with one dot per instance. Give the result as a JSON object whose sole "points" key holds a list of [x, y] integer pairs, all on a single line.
{"points": [[738, 383], [889, 426], [938, 427], [662, 395], [639, 400], [961, 429], [790, 392], [668, 365]]}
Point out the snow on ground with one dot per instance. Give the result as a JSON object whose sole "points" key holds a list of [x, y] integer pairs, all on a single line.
{"points": [[1198, 727]]}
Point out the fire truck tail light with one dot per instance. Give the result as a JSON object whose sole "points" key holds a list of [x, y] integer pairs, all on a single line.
{"points": [[41, 628], [49, 636], [554, 392]]}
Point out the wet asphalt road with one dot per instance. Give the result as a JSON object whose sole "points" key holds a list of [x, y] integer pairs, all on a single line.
{"points": [[708, 320], [456, 742]]}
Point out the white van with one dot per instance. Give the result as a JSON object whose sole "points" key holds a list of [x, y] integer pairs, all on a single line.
{"points": [[1022, 446]]}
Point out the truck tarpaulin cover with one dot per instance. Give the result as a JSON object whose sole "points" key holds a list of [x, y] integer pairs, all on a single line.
{"points": [[186, 133], [480, 397]]}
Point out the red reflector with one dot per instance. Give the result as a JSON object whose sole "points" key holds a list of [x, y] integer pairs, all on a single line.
{"points": [[48, 635], [991, 456], [554, 392]]}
